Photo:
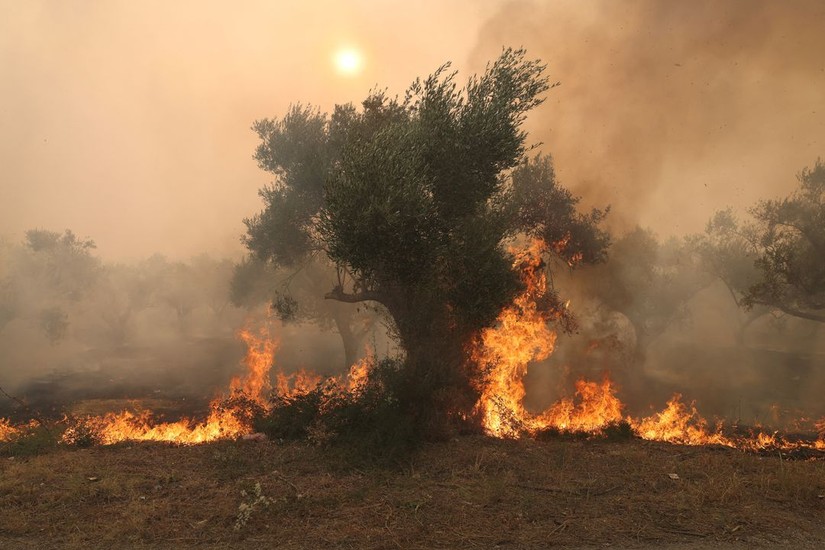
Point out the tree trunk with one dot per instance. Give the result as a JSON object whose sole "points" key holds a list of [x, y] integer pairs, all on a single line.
{"points": [[348, 338], [438, 379]]}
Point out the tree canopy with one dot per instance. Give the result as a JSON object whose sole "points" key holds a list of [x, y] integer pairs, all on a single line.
{"points": [[775, 260], [790, 237]]}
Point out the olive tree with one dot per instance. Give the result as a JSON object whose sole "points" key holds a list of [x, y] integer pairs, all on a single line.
{"points": [[414, 202]]}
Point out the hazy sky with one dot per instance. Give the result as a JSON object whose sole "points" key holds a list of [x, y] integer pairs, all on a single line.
{"points": [[128, 121]]}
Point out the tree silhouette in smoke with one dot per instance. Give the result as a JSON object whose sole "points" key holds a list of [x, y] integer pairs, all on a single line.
{"points": [[788, 236]]}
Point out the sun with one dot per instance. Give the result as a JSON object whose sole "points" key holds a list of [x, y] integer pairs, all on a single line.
{"points": [[348, 61]]}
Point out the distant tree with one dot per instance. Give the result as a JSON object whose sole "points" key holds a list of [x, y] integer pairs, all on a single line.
{"points": [[45, 277], [124, 291], [729, 255], [789, 238], [648, 282], [253, 283], [214, 277], [8, 298], [54, 322], [414, 201], [179, 292], [63, 262], [775, 260]]}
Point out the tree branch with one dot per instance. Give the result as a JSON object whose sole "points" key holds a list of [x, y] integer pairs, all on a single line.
{"points": [[338, 293], [794, 312]]}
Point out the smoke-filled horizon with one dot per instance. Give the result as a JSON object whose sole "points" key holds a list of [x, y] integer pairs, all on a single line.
{"points": [[129, 122]]}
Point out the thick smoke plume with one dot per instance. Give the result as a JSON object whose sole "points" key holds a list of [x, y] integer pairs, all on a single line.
{"points": [[668, 110]]}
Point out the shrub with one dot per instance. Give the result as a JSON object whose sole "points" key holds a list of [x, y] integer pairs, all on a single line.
{"points": [[373, 419]]}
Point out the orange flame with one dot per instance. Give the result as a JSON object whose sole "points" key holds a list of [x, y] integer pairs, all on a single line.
{"points": [[596, 408], [7, 430], [359, 373], [679, 423], [230, 415], [260, 351], [223, 421], [126, 426], [522, 336]]}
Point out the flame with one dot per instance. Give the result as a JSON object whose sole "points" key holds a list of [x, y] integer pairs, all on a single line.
{"points": [[260, 351], [7, 430], [596, 408], [522, 336], [678, 423], [230, 415], [300, 382], [358, 374], [127, 426]]}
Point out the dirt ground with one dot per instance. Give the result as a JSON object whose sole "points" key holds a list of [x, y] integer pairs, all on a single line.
{"points": [[471, 492]]}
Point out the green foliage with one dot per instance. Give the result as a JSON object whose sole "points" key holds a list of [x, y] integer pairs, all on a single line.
{"points": [[791, 244], [776, 259], [726, 251], [542, 208], [292, 417], [251, 283]]}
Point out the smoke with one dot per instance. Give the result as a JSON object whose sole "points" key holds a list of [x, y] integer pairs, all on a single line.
{"points": [[129, 122], [669, 110]]}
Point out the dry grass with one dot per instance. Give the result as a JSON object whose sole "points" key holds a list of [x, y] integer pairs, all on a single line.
{"points": [[467, 493]]}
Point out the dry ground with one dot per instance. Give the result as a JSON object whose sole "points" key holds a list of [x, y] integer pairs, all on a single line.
{"points": [[471, 492]]}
